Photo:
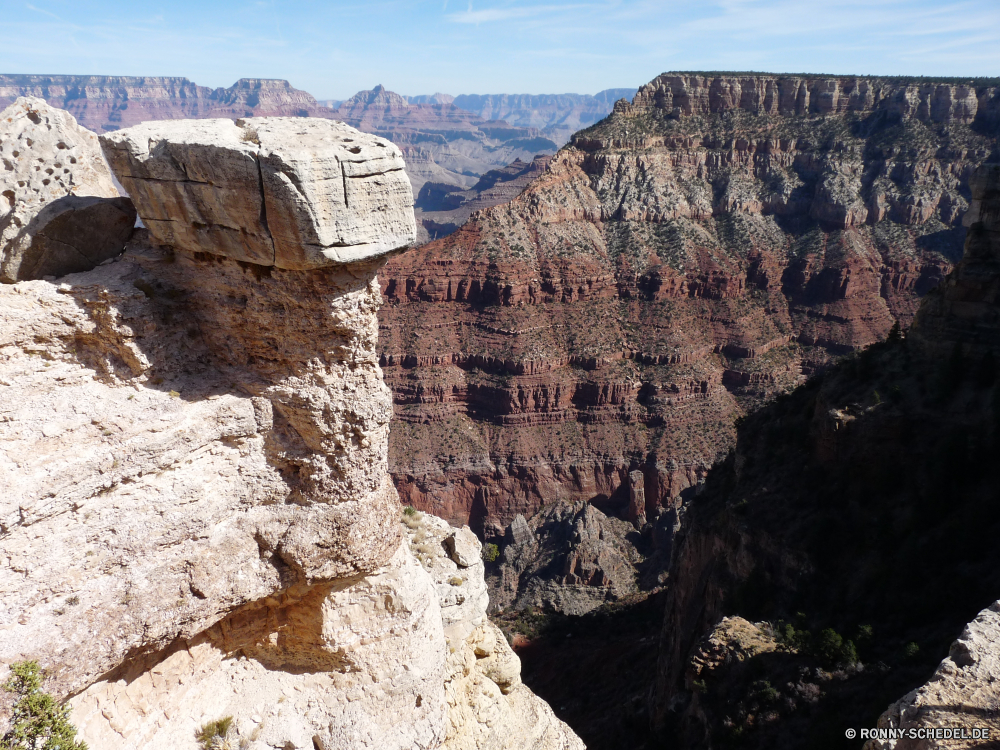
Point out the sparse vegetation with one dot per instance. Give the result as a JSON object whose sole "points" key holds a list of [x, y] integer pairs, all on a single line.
{"points": [[250, 135], [490, 552], [220, 735], [37, 721]]}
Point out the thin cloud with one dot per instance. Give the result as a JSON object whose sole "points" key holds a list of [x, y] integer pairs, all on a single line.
{"points": [[491, 15], [50, 14]]}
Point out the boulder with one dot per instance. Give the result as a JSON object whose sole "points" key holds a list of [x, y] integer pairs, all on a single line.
{"points": [[59, 211], [463, 547], [291, 192]]}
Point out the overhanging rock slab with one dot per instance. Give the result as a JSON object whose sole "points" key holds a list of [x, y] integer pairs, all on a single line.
{"points": [[291, 192]]}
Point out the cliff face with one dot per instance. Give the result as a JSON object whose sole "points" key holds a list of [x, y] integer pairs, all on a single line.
{"points": [[881, 466], [107, 103], [686, 258], [197, 519]]}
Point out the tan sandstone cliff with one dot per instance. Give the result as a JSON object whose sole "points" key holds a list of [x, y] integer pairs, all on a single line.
{"points": [[196, 516]]}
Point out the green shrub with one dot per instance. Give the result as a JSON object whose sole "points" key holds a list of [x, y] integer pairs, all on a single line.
{"points": [[833, 650], [911, 650], [409, 510], [763, 692], [490, 552], [37, 722], [217, 735]]}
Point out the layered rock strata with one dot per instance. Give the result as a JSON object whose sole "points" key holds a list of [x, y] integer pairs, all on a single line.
{"points": [[108, 103], [791, 529], [197, 519], [59, 210], [678, 264]]}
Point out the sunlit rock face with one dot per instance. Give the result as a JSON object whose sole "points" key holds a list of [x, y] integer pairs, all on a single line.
{"points": [[196, 516], [59, 210]]}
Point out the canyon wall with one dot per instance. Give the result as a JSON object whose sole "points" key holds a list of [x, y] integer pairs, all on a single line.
{"points": [[853, 524], [558, 116], [107, 103], [675, 266], [197, 519]]}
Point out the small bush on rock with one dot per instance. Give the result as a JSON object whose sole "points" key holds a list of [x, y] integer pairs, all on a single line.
{"points": [[37, 722], [490, 552], [219, 735]]}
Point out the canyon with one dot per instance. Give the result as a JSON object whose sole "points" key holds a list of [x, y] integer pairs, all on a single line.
{"points": [[441, 142], [706, 247], [196, 516], [557, 116], [786, 621]]}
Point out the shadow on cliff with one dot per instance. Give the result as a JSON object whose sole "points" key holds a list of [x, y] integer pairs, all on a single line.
{"points": [[865, 501]]}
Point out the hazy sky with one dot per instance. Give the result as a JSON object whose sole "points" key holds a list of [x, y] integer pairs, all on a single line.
{"points": [[333, 49]]}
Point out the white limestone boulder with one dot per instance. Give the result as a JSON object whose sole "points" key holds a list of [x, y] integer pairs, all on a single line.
{"points": [[59, 210], [291, 192]]}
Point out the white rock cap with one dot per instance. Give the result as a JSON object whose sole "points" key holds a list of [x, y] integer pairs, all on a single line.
{"points": [[292, 192]]}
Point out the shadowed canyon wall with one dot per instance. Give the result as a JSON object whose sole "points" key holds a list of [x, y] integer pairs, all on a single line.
{"points": [[854, 524]]}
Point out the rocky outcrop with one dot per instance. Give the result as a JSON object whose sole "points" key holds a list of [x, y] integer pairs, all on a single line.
{"points": [[962, 695], [572, 558], [59, 211], [670, 270], [282, 192], [790, 527], [788, 95], [489, 708], [196, 516]]}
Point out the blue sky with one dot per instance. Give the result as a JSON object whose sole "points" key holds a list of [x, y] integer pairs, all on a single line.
{"points": [[333, 49]]}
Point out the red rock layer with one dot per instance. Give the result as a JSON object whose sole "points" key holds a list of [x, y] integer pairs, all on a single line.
{"points": [[667, 272], [106, 103]]}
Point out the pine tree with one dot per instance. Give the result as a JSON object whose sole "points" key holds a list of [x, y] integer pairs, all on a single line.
{"points": [[37, 721]]}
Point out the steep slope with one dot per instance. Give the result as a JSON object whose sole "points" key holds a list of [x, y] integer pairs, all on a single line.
{"points": [[444, 207], [862, 506], [703, 248]]}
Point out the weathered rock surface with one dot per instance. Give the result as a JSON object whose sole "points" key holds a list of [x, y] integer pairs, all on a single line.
{"points": [[293, 193], [963, 694], [59, 210], [196, 518], [488, 706], [569, 558], [673, 268]]}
